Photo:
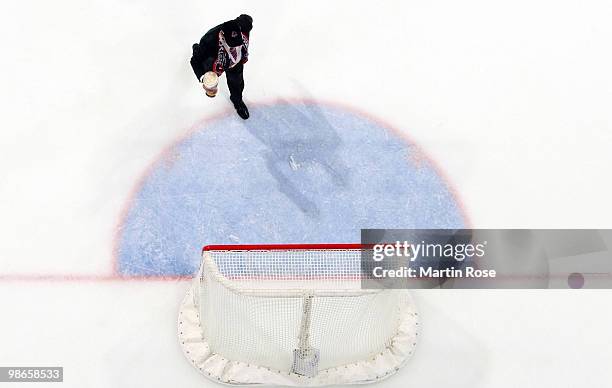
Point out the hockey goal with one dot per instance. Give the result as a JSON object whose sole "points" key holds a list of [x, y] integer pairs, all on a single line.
{"points": [[293, 315]]}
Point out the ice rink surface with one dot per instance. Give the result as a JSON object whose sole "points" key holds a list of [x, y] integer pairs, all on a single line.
{"points": [[508, 105], [295, 172]]}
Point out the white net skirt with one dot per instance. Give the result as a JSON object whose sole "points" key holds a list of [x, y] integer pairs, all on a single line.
{"points": [[293, 317]]}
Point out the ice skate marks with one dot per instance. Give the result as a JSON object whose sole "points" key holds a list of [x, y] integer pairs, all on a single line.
{"points": [[295, 172]]}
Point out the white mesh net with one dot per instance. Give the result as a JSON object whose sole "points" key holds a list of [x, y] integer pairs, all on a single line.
{"points": [[297, 314], [287, 269]]}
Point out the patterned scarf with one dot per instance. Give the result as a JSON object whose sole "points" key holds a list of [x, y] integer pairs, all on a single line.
{"points": [[228, 57]]}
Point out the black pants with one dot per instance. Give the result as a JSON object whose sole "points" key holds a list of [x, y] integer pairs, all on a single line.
{"points": [[235, 82]]}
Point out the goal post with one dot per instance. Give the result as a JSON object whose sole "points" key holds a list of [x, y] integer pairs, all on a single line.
{"points": [[293, 315]]}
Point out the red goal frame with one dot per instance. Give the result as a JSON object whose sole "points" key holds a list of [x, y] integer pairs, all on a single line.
{"points": [[282, 247]]}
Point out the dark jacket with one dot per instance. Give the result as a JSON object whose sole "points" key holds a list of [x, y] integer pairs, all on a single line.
{"points": [[208, 54]]}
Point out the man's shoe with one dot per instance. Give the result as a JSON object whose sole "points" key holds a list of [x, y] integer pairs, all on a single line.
{"points": [[241, 109]]}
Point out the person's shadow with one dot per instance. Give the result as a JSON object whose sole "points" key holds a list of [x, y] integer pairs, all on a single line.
{"points": [[298, 136]]}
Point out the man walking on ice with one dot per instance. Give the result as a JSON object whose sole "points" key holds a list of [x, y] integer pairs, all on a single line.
{"points": [[225, 48]]}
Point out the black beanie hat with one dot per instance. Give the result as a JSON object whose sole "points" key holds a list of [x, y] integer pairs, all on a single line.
{"points": [[246, 22], [232, 34]]}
